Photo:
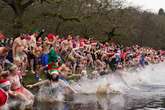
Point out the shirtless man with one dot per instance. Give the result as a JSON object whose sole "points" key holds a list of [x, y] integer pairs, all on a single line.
{"points": [[50, 40], [67, 43], [32, 44], [18, 49]]}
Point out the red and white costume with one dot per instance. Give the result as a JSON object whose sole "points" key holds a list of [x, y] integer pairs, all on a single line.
{"points": [[3, 94]]}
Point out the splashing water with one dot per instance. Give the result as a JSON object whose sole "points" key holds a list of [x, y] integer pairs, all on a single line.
{"points": [[120, 81], [51, 93], [17, 104], [140, 89], [124, 80]]}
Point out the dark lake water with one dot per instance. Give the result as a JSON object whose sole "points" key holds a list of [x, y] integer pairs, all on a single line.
{"points": [[107, 102]]}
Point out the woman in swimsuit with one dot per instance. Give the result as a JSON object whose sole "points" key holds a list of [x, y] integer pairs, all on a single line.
{"points": [[25, 95]]}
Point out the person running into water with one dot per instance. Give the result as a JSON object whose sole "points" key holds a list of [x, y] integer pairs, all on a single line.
{"points": [[54, 88], [25, 95]]}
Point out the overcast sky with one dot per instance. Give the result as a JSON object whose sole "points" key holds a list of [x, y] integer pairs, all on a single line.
{"points": [[151, 5]]}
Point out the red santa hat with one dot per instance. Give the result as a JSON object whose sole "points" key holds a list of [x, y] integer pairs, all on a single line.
{"points": [[50, 36], [4, 83], [3, 97]]}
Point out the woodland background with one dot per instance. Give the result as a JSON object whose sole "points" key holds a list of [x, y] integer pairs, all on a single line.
{"points": [[98, 19]]}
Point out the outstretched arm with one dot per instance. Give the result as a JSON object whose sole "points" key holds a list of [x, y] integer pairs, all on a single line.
{"points": [[37, 84]]}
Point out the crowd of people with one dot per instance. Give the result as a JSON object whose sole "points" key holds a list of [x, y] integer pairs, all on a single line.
{"points": [[58, 58]]}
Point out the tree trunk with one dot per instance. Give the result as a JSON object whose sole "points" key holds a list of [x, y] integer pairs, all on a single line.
{"points": [[17, 24], [17, 21], [58, 27], [18, 9]]}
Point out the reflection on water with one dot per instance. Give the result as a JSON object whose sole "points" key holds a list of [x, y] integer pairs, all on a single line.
{"points": [[106, 102], [86, 102]]}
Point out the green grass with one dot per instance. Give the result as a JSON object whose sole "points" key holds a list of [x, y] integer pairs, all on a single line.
{"points": [[30, 78]]}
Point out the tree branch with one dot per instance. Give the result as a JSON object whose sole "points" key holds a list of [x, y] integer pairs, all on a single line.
{"points": [[62, 17], [28, 3], [9, 2]]}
